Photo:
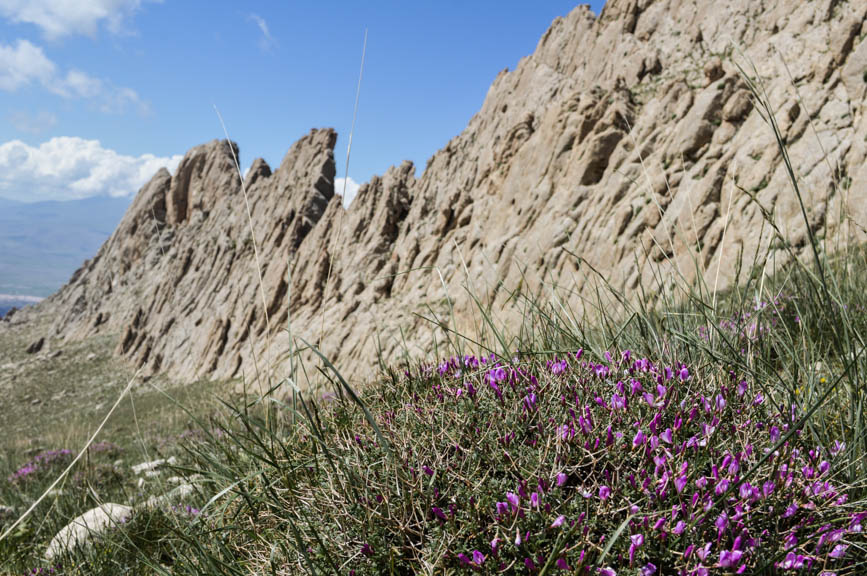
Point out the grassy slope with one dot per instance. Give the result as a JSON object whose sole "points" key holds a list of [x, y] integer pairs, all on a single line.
{"points": [[407, 478], [56, 397], [51, 403]]}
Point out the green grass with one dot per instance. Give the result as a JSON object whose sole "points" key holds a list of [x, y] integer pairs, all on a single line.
{"points": [[55, 402]]}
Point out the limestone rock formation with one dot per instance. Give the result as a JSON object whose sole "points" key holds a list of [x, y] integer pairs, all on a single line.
{"points": [[629, 139]]}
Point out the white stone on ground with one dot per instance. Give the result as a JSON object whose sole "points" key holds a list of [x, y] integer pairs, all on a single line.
{"points": [[80, 530], [153, 465], [177, 494]]}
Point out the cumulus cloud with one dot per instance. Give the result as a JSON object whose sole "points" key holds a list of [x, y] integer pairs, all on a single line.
{"points": [[266, 41], [68, 168], [37, 123], [24, 64], [351, 189], [59, 18]]}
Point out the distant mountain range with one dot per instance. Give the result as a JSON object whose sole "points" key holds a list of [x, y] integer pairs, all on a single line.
{"points": [[8, 302], [43, 243]]}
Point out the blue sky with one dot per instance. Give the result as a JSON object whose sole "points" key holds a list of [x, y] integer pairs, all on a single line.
{"points": [[95, 95]]}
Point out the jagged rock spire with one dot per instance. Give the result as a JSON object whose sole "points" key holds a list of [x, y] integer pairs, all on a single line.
{"points": [[628, 139]]}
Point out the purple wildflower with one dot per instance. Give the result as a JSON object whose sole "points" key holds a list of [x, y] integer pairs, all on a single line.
{"points": [[618, 402], [666, 436], [775, 434], [839, 551], [514, 500], [792, 562], [729, 558]]}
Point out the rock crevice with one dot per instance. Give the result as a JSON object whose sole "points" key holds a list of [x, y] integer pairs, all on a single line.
{"points": [[623, 139]]}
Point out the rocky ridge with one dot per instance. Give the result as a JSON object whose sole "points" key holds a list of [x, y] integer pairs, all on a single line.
{"points": [[629, 140]]}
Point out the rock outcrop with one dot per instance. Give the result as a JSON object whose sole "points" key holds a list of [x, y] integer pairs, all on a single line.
{"points": [[630, 140]]}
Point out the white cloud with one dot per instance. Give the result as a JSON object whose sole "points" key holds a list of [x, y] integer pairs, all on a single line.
{"points": [[266, 42], [351, 189], [69, 168], [111, 99], [79, 84], [24, 63], [37, 123], [59, 18]]}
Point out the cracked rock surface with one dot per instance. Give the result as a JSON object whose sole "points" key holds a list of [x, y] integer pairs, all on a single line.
{"points": [[629, 140]]}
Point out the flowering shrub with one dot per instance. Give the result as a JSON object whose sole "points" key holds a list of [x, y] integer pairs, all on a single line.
{"points": [[42, 463], [105, 448], [617, 465], [185, 510], [44, 571], [757, 323]]}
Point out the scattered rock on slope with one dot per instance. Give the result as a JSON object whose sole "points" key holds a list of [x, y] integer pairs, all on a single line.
{"points": [[83, 528]]}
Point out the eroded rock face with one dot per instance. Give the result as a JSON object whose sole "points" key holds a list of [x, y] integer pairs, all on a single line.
{"points": [[626, 139]]}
